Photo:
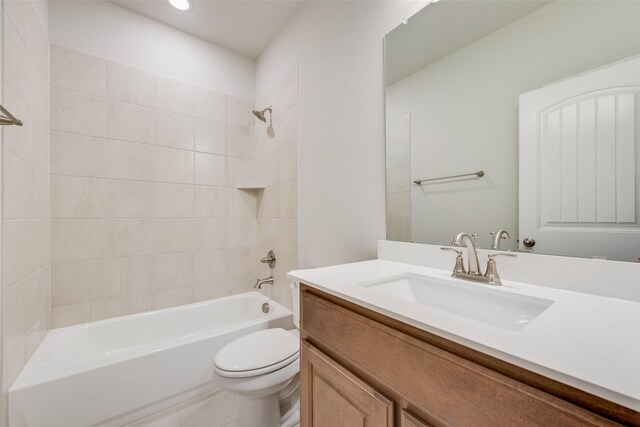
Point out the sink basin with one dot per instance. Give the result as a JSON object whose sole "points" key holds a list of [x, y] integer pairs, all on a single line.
{"points": [[471, 300]]}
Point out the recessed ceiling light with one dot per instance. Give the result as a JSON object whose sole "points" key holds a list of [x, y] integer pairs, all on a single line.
{"points": [[182, 5]]}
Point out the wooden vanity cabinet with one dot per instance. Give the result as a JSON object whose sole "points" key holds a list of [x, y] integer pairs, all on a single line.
{"points": [[360, 368]]}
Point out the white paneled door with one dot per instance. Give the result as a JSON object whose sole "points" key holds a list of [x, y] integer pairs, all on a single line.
{"points": [[579, 165]]}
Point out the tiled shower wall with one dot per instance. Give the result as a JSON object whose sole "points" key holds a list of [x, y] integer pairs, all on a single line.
{"points": [[26, 211], [145, 213], [277, 157]]}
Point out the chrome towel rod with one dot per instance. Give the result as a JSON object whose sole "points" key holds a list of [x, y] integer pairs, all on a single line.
{"points": [[8, 119], [479, 174]]}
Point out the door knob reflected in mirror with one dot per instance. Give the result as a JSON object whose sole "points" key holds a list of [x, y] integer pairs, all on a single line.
{"points": [[529, 243]]}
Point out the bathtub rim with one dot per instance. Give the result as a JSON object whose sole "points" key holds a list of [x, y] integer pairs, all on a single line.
{"points": [[27, 379]]}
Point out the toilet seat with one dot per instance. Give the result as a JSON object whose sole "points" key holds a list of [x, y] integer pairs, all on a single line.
{"points": [[258, 353]]}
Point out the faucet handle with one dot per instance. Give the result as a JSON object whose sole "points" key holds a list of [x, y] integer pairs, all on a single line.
{"points": [[493, 278], [459, 267], [458, 251], [492, 256]]}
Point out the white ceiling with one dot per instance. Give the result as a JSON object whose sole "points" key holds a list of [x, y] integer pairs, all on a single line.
{"points": [[243, 26], [446, 26]]}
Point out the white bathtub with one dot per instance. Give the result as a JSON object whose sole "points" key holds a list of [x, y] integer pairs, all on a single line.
{"points": [[116, 370]]}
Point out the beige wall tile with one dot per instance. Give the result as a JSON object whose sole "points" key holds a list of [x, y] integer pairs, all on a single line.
{"points": [[210, 234], [21, 140], [36, 334], [130, 199], [174, 130], [175, 200], [78, 281], [174, 96], [14, 322], [15, 56], [211, 106], [128, 276], [269, 202], [288, 236], [172, 297], [27, 248], [242, 232], [211, 137], [12, 364], [269, 169], [242, 203], [241, 143], [129, 237], [129, 122], [128, 84], [82, 312], [174, 270], [174, 235], [37, 299], [77, 197], [25, 190], [77, 239], [15, 11], [242, 172], [211, 169], [129, 304], [210, 266], [129, 160], [77, 113], [288, 163], [211, 202], [242, 263], [239, 113], [77, 155], [267, 139], [173, 165], [285, 126], [77, 71], [288, 207]]}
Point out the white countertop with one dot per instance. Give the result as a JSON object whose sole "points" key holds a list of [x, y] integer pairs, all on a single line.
{"points": [[587, 341]]}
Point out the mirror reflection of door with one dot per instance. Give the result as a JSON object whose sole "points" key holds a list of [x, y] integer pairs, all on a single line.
{"points": [[579, 159]]}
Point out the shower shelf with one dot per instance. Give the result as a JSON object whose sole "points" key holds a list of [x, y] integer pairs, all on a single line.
{"points": [[250, 187]]}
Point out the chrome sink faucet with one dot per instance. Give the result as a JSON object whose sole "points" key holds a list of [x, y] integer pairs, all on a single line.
{"points": [[497, 237], [490, 276], [472, 252]]}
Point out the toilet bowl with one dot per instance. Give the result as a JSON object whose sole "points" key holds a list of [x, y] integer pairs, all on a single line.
{"points": [[262, 369]]}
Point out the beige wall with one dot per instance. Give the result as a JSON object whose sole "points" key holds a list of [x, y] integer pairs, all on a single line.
{"points": [[26, 210], [277, 158], [145, 213]]}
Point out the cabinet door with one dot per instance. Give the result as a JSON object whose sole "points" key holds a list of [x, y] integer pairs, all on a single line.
{"points": [[332, 396], [408, 420]]}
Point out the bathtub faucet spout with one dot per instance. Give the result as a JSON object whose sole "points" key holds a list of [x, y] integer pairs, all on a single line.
{"points": [[260, 282]]}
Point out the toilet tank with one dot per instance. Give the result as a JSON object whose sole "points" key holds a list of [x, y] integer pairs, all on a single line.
{"points": [[295, 294]]}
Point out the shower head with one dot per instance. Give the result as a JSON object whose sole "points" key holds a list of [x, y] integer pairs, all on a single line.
{"points": [[261, 114]]}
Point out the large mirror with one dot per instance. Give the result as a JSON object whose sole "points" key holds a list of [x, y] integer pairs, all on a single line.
{"points": [[516, 115]]}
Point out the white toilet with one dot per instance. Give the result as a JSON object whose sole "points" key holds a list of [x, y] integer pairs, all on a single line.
{"points": [[262, 369]]}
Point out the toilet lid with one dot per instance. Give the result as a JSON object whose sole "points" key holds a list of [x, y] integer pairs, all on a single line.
{"points": [[259, 352]]}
